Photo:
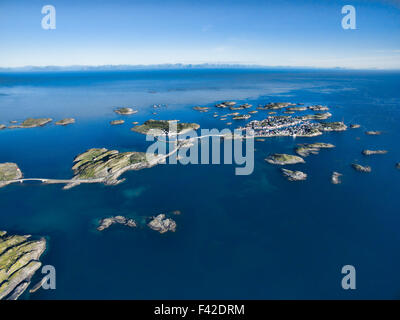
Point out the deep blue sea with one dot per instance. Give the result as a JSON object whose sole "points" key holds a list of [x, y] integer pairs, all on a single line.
{"points": [[238, 237]]}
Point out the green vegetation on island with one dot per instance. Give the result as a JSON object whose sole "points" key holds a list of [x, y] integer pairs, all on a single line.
{"points": [[241, 107], [65, 121], [32, 123], [276, 105], [332, 126], [242, 117], [125, 111], [9, 171], [306, 149], [296, 109], [311, 132], [163, 127], [19, 260], [103, 165], [201, 109], [317, 116], [282, 159], [117, 122]]}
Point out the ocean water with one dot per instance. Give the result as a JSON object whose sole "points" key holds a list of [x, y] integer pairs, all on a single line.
{"points": [[239, 237]]}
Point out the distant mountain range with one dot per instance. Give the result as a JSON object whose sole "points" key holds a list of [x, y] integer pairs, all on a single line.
{"points": [[143, 67]]}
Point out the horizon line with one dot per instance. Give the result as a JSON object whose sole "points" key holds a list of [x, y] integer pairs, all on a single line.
{"points": [[122, 67]]}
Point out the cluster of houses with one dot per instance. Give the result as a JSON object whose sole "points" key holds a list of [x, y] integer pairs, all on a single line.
{"points": [[273, 122], [281, 126]]}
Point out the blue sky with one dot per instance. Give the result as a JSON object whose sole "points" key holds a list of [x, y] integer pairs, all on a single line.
{"points": [[271, 33]]}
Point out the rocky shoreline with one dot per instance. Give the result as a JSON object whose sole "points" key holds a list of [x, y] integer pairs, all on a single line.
{"points": [[19, 261], [372, 152], [306, 149], [108, 222], [32, 123], [162, 127], [125, 111], [294, 175], [159, 223], [283, 159], [9, 171], [162, 224], [360, 168], [117, 122], [65, 122]]}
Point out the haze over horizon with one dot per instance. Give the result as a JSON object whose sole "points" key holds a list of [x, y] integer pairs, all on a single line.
{"points": [[303, 33]]}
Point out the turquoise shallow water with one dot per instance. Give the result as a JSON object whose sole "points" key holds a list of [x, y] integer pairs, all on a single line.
{"points": [[256, 236]]}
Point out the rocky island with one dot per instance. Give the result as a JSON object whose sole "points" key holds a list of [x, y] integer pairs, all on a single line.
{"points": [[19, 260], [318, 107], [332, 126], [360, 168], [241, 107], [2, 126], [283, 159], [162, 127], [317, 116], [276, 105], [242, 117], [9, 171], [225, 104], [105, 166], [306, 149], [162, 224], [398, 165], [108, 222], [335, 179], [355, 126], [97, 165], [302, 108], [65, 121], [294, 175], [201, 109], [373, 133], [117, 122], [125, 111], [32, 123], [371, 152]]}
